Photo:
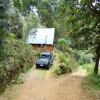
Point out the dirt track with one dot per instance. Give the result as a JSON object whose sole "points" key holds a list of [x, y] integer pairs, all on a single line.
{"points": [[39, 87]]}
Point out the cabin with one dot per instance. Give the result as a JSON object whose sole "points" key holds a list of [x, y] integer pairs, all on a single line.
{"points": [[42, 39]]}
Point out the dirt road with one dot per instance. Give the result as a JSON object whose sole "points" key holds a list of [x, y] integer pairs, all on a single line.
{"points": [[38, 86]]}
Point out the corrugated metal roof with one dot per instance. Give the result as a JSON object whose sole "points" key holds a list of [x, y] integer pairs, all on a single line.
{"points": [[41, 36]]}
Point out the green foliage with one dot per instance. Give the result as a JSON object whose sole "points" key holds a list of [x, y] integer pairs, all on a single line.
{"points": [[18, 4], [83, 56], [37, 53], [87, 58], [15, 56], [17, 22], [31, 21], [93, 81], [4, 20], [66, 64], [18, 57], [91, 85], [21, 24], [86, 26], [45, 12], [62, 57], [77, 55], [88, 67], [62, 69], [68, 59], [62, 43]]}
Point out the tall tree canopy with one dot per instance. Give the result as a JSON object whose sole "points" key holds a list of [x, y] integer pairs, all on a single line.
{"points": [[84, 21], [4, 19]]}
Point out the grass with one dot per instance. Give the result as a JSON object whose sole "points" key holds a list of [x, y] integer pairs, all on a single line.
{"points": [[89, 67], [91, 83], [54, 70]]}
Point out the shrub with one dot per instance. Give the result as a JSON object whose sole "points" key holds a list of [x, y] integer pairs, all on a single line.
{"points": [[89, 67], [62, 57], [77, 55], [60, 69], [88, 58], [63, 69], [18, 57], [61, 43], [66, 64], [68, 60], [36, 53], [72, 64], [56, 71]]}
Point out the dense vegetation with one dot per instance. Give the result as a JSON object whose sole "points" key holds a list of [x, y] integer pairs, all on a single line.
{"points": [[65, 63], [15, 60], [15, 55]]}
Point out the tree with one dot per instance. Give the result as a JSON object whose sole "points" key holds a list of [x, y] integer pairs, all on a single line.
{"points": [[84, 21], [17, 23], [23, 5], [45, 12], [22, 19], [18, 4], [4, 21], [32, 21]]}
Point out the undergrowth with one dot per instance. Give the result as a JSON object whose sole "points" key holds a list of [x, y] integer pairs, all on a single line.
{"points": [[91, 83], [65, 63]]}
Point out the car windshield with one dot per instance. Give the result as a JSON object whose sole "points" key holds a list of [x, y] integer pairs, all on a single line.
{"points": [[45, 56]]}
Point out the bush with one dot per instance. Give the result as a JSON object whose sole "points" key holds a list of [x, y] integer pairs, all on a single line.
{"points": [[88, 58], [36, 53], [77, 55], [62, 57], [66, 64], [18, 57], [89, 67], [68, 60], [72, 64], [63, 69], [60, 69]]}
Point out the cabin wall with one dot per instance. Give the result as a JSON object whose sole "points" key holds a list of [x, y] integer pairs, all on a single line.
{"points": [[43, 47]]}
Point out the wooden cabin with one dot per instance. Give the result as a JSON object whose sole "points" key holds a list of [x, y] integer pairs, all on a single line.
{"points": [[42, 39]]}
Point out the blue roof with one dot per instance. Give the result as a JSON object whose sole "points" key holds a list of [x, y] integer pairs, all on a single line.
{"points": [[41, 36]]}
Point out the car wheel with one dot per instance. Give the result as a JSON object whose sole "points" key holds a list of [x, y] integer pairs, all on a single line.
{"points": [[36, 66], [52, 63], [48, 66]]}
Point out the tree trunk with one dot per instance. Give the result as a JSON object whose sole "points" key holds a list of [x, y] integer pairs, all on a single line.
{"points": [[97, 59]]}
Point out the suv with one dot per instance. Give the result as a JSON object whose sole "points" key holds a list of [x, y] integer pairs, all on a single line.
{"points": [[45, 60]]}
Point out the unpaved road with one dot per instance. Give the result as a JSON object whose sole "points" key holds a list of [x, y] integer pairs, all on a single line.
{"points": [[39, 86]]}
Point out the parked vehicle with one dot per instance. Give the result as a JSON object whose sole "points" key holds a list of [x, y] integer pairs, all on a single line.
{"points": [[45, 60]]}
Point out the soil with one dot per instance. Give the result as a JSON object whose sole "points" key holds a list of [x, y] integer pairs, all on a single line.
{"points": [[38, 85]]}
